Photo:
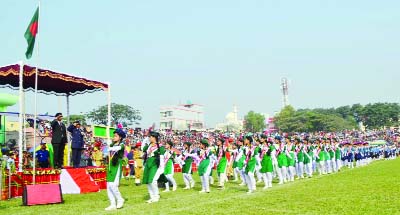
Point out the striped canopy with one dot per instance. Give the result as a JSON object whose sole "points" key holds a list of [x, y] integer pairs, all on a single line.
{"points": [[49, 82]]}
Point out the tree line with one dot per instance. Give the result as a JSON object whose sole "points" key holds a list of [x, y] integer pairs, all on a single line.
{"points": [[372, 116]]}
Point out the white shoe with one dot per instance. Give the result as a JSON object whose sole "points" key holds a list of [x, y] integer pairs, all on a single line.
{"points": [[270, 185], [152, 200], [120, 204], [242, 184], [111, 208], [280, 183], [186, 188], [167, 190], [174, 188], [192, 184], [266, 187], [249, 192]]}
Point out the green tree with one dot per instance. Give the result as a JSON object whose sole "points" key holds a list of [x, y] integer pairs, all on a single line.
{"points": [[379, 115], [306, 120], [344, 111], [285, 119], [255, 122], [124, 114]]}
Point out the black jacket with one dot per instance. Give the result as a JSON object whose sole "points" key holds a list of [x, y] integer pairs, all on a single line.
{"points": [[59, 133]]}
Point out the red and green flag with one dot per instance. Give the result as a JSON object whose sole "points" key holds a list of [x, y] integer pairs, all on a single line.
{"points": [[30, 34]]}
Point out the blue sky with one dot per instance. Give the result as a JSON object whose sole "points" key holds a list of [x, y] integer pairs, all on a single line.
{"points": [[216, 53]]}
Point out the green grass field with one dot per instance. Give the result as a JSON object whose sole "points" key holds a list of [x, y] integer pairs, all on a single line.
{"points": [[373, 189]]}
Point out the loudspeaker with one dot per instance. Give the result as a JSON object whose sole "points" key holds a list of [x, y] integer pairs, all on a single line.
{"points": [[42, 194]]}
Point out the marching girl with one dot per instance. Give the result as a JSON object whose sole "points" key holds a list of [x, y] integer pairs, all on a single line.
{"points": [[267, 151], [308, 158], [238, 162], [187, 158], [291, 161], [169, 166], [350, 157], [222, 162], [300, 158], [338, 156], [114, 170], [258, 165], [320, 153], [213, 160], [204, 168], [332, 157], [153, 166], [328, 158], [250, 164], [282, 163], [343, 155], [358, 156]]}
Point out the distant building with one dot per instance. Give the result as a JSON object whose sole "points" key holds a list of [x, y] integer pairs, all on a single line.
{"points": [[270, 124], [231, 123], [182, 117]]}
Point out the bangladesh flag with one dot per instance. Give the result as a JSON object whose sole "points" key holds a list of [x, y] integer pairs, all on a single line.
{"points": [[30, 34]]}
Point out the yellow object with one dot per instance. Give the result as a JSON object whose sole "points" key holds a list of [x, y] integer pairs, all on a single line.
{"points": [[97, 157], [137, 155]]}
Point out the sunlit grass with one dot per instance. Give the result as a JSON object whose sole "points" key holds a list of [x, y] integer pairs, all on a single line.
{"points": [[374, 189]]}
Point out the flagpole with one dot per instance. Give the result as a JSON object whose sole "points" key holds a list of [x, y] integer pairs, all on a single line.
{"points": [[36, 85]]}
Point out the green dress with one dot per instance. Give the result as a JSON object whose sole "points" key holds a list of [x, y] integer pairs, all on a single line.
{"points": [[332, 154], [308, 156], [239, 159], [115, 169], [290, 158], [282, 159], [251, 154], [266, 162], [321, 155], [326, 153], [169, 166], [222, 164], [338, 155], [187, 167], [204, 161], [300, 155], [150, 165]]}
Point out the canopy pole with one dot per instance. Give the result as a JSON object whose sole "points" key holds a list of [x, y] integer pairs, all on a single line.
{"points": [[108, 111], [21, 79], [68, 136], [34, 126], [24, 120]]}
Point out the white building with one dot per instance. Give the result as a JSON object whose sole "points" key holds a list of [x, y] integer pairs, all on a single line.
{"points": [[182, 117], [231, 123]]}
